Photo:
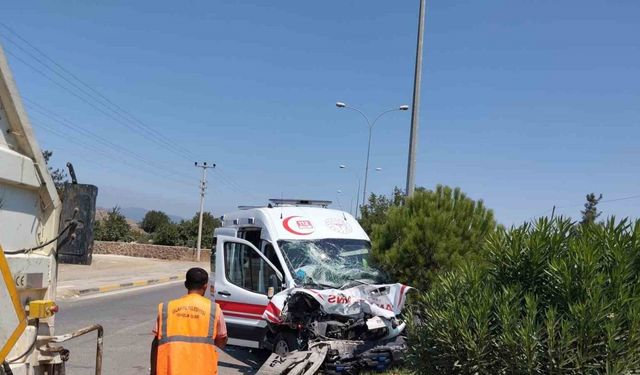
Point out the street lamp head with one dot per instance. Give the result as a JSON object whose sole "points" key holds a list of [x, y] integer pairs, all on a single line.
{"points": [[404, 107], [342, 166], [340, 105], [378, 169]]}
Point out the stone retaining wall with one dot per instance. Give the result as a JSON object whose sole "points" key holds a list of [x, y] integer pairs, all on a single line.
{"points": [[149, 251]]}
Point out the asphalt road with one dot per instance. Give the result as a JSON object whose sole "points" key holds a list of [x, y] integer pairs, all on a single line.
{"points": [[128, 319]]}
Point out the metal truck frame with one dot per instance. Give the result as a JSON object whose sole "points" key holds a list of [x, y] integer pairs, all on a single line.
{"points": [[30, 238]]}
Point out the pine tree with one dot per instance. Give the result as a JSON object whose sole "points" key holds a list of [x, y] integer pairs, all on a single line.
{"points": [[590, 213], [431, 232]]}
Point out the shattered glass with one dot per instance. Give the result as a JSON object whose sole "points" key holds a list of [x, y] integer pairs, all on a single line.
{"points": [[330, 263]]}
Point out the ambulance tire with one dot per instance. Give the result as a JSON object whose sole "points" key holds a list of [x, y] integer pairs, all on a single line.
{"points": [[284, 343]]}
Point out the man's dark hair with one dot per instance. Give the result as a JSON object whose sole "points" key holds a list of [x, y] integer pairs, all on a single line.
{"points": [[196, 278]]}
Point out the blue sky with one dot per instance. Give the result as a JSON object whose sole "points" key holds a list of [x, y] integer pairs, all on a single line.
{"points": [[525, 104]]}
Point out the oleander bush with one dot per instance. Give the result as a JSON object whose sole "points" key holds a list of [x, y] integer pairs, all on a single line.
{"points": [[552, 297]]}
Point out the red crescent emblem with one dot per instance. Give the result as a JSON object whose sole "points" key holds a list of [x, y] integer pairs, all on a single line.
{"points": [[287, 226]]}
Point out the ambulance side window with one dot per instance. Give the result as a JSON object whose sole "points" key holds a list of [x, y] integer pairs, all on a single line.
{"points": [[246, 269], [250, 234]]}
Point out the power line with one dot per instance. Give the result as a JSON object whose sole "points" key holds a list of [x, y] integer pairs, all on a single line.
{"points": [[77, 142], [89, 87], [86, 101], [79, 96], [636, 196], [620, 199], [134, 123], [50, 115], [100, 163], [91, 96], [111, 157], [145, 164], [234, 186], [603, 201], [35, 107]]}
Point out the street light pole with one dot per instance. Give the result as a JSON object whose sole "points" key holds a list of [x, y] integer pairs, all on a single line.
{"points": [[370, 125], [342, 166], [203, 188], [357, 197], [413, 137], [366, 168]]}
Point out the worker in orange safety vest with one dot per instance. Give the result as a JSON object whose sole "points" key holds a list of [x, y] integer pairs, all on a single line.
{"points": [[188, 330]]}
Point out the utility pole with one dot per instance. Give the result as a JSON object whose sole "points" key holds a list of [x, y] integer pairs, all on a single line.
{"points": [[413, 138], [203, 189]]}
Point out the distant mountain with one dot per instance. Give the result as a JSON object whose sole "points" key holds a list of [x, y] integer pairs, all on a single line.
{"points": [[134, 213]]}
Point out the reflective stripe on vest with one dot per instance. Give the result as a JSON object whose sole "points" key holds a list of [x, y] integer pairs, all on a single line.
{"points": [[199, 340]]}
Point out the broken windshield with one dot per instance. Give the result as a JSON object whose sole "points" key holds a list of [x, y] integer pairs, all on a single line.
{"points": [[330, 262]]}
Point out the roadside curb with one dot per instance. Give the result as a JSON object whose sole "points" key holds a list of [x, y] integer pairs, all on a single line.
{"points": [[120, 286]]}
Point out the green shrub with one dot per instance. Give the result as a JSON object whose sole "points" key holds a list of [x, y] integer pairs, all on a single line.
{"points": [[166, 234], [153, 220], [431, 232], [553, 298], [112, 228]]}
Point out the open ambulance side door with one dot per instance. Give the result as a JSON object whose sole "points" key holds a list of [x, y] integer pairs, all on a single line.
{"points": [[243, 276]]}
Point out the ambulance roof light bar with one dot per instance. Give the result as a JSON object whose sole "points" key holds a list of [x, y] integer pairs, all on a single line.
{"points": [[299, 202]]}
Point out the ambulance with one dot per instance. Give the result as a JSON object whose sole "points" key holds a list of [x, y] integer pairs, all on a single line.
{"points": [[289, 244]]}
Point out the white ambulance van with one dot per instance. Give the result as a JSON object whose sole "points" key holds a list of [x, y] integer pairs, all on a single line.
{"points": [[287, 244]]}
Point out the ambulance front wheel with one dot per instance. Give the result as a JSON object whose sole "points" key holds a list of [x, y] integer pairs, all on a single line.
{"points": [[284, 343]]}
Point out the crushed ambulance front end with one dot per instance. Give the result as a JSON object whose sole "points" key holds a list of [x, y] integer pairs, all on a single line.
{"points": [[338, 330]]}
